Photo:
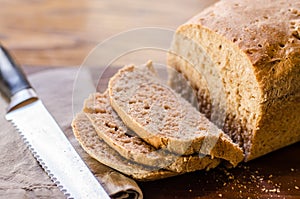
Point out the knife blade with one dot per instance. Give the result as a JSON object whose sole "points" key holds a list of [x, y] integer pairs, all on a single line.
{"points": [[43, 136]]}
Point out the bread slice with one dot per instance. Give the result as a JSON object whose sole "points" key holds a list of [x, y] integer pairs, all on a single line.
{"points": [[98, 149], [164, 119], [113, 131], [249, 57]]}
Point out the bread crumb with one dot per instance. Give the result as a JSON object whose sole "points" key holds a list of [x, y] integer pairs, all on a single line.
{"points": [[220, 195], [190, 190], [296, 187], [292, 169], [261, 179], [272, 190]]}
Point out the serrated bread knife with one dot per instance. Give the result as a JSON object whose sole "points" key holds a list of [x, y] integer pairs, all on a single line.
{"points": [[43, 136]]}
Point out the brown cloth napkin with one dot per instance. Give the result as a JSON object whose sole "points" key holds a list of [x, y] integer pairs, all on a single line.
{"points": [[20, 174]]}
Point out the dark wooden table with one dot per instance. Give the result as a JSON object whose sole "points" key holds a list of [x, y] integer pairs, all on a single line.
{"points": [[54, 33], [276, 175]]}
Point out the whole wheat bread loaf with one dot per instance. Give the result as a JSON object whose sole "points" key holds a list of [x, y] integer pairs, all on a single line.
{"points": [[113, 131], [98, 149], [164, 119], [247, 52]]}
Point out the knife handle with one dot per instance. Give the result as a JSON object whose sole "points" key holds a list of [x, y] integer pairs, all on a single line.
{"points": [[12, 78], [13, 82]]}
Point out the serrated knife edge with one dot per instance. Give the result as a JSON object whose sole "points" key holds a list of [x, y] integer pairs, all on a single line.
{"points": [[43, 136]]}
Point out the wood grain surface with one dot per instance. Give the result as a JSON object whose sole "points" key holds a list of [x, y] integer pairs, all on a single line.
{"points": [[62, 33], [276, 175]]}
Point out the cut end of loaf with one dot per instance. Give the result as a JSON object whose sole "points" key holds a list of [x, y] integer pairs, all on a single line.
{"points": [[220, 99]]}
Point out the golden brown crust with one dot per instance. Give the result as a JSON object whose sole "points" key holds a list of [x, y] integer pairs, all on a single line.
{"points": [[269, 34]]}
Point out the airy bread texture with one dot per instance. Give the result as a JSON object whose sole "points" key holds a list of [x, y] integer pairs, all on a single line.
{"points": [[164, 119], [113, 131], [243, 59], [98, 149]]}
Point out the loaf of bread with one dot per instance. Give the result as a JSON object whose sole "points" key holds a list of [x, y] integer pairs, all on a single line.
{"points": [[164, 119], [242, 59], [113, 131]]}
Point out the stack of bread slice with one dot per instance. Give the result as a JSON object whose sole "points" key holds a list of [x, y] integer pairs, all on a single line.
{"points": [[144, 129]]}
